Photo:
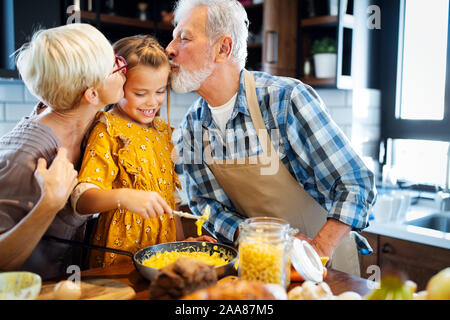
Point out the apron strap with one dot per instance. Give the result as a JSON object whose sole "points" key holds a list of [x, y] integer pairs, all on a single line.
{"points": [[255, 114]]}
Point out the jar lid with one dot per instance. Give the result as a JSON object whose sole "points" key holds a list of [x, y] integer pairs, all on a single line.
{"points": [[306, 261]]}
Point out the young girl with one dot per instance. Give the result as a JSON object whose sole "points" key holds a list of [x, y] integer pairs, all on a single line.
{"points": [[127, 172]]}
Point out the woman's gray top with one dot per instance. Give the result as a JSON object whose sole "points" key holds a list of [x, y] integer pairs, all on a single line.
{"points": [[20, 150]]}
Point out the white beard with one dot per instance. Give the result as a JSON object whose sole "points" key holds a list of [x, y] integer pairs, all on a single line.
{"points": [[187, 81]]}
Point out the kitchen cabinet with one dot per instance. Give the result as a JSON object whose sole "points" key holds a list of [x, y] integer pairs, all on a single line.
{"points": [[418, 262], [365, 261], [280, 37], [272, 43], [316, 22]]}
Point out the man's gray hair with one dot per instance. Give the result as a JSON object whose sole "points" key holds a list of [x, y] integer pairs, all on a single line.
{"points": [[225, 17]]}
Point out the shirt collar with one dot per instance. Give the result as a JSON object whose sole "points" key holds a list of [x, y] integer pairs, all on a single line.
{"points": [[240, 105]]}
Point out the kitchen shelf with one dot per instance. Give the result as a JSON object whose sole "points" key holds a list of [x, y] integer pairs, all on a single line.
{"points": [[124, 21], [328, 21], [254, 6], [320, 21], [312, 81], [338, 27], [257, 45]]}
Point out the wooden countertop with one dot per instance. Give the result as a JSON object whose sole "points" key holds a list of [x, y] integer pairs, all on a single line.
{"points": [[126, 273]]}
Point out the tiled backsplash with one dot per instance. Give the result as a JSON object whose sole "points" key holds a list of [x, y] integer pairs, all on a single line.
{"points": [[15, 103], [357, 112]]}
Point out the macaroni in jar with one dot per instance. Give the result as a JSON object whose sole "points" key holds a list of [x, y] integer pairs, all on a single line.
{"points": [[264, 248]]}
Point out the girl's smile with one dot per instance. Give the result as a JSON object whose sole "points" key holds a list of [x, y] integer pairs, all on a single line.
{"points": [[150, 113], [145, 92]]}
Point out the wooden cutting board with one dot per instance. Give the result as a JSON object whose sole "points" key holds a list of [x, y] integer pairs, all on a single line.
{"points": [[95, 289]]}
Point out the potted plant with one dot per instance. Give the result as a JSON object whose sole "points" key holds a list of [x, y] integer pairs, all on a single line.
{"points": [[324, 54]]}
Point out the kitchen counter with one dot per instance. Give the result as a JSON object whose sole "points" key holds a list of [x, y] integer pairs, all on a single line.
{"points": [[402, 231], [126, 273], [399, 230]]}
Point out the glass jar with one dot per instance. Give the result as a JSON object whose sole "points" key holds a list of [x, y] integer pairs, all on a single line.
{"points": [[264, 250]]}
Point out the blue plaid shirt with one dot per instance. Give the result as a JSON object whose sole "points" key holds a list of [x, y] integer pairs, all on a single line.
{"points": [[311, 146]]}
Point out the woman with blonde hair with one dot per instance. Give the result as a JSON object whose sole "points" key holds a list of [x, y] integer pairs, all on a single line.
{"points": [[73, 70]]}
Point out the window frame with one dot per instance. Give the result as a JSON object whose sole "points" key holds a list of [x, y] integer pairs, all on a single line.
{"points": [[392, 46]]}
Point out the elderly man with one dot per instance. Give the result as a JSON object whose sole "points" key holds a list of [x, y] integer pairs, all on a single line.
{"points": [[261, 145]]}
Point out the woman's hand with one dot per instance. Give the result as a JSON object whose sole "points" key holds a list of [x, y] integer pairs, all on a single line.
{"points": [[58, 181], [147, 204], [202, 238]]}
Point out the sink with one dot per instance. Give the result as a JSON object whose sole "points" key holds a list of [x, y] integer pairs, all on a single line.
{"points": [[436, 221]]}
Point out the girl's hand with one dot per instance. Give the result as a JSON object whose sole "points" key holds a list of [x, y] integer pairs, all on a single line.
{"points": [[147, 204], [58, 181], [202, 238]]}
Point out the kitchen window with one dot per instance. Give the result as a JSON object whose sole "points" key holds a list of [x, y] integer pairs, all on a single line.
{"points": [[416, 123]]}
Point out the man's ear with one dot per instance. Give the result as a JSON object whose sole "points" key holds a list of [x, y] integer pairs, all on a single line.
{"points": [[91, 96], [224, 47]]}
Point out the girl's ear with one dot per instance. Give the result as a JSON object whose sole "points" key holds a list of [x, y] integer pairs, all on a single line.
{"points": [[225, 45], [91, 96]]}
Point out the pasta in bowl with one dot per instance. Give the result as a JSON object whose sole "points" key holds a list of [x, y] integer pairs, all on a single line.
{"points": [[160, 260], [149, 260]]}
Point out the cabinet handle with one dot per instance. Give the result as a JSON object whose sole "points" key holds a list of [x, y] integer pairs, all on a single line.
{"points": [[387, 248]]}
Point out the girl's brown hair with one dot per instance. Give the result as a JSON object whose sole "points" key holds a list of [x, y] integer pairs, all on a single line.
{"points": [[144, 50]]}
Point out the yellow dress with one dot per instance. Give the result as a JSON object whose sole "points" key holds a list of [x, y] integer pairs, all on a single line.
{"points": [[120, 154]]}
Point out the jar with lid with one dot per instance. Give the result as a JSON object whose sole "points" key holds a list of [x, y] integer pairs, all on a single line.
{"points": [[266, 248]]}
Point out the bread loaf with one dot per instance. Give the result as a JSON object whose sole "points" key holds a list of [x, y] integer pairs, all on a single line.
{"points": [[233, 290], [180, 278]]}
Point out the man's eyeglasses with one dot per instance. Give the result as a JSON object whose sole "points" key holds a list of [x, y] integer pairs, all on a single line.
{"points": [[121, 64]]}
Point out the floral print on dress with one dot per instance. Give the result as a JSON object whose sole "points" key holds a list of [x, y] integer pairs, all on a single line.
{"points": [[133, 157]]}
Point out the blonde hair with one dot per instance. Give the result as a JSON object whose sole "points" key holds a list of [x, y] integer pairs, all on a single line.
{"points": [[144, 50], [60, 64]]}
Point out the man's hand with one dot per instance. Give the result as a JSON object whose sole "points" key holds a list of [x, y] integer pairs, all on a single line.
{"points": [[328, 238], [322, 252]]}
